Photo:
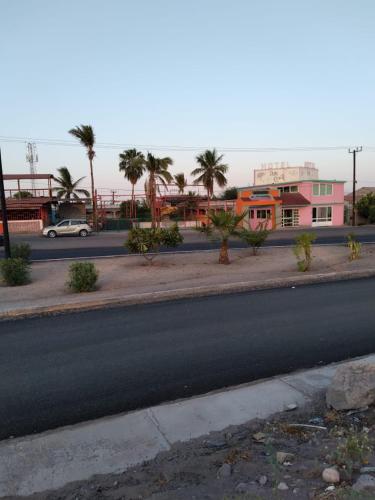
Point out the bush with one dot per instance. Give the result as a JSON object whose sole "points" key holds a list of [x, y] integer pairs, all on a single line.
{"points": [[15, 271], [354, 247], [21, 251], [255, 238], [147, 242], [82, 277], [302, 250]]}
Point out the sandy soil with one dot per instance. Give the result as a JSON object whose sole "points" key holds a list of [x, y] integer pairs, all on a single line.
{"points": [[132, 274], [194, 470]]}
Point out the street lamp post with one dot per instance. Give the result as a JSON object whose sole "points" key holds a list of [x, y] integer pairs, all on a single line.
{"points": [[4, 213]]}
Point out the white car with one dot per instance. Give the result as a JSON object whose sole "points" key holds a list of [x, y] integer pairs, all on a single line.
{"points": [[74, 227]]}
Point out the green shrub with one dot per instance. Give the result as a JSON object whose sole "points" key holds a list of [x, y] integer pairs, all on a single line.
{"points": [[303, 250], [148, 241], [21, 251], [255, 238], [354, 247], [15, 271], [82, 277]]}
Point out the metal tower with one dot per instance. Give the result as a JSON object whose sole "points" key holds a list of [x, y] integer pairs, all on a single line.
{"points": [[32, 159]]}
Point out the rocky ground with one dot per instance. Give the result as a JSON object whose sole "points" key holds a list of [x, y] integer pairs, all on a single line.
{"points": [[307, 453]]}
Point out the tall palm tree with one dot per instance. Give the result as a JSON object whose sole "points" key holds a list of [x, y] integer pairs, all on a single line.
{"points": [[132, 163], [157, 169], [67, 188], [210, 170], [181, 182], [85, 135]]}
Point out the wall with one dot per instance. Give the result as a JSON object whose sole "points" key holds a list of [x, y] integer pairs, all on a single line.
{"points": [[72, 211], [23, 226]]}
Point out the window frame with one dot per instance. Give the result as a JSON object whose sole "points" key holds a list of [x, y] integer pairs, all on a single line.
{"points": [[323, 189]]}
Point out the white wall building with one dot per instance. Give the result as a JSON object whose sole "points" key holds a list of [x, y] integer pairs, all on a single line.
{"points": [[272, 173]]}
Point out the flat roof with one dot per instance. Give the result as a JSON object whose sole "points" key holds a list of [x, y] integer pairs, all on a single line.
{"points": [[292, 182]]}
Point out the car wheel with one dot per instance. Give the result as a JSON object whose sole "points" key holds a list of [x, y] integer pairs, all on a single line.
{"points": [[51, 234], [83, 233]]}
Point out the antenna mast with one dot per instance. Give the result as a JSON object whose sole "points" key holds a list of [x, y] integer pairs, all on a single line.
{"points": [[32, 159]]}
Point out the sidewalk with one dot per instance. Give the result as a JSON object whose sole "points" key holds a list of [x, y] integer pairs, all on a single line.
{"points": [[114, 444], [128, 280]]}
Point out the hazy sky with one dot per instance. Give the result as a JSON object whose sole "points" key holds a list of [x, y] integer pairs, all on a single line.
{"points": [[205, 73]]}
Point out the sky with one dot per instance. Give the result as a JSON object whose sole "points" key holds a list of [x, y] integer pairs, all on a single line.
{"points": [[197, 74]]}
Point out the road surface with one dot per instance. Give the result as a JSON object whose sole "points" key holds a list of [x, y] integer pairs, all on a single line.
{"points": [[112, 243], [60, 370]]}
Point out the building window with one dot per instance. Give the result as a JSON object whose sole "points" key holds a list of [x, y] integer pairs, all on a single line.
{"points": [[251, 214], [322, 214], [289, 217], [322, 189], [288, 189], [264, 214]]}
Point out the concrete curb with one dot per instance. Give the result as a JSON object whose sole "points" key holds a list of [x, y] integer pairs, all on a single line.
{"points": [[182, 293], [52, 459]]}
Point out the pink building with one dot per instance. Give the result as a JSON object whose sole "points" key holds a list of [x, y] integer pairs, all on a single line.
{"points": [[309, 203]]}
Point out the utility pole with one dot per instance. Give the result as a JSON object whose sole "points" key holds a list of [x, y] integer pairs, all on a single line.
{"points": [[354, 152], [4, 213]]}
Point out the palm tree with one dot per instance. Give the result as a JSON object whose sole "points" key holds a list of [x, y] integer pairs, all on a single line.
{"points": [[85, 135], [226, 224], [181, 182], [157, 169], [132, 163], [67, 187], [211, 170]]}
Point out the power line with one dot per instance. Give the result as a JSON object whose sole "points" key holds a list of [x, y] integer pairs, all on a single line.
{"points": [[109, 145]]}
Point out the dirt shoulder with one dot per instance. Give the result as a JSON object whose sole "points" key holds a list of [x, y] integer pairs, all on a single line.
{"points": [[244, 462], [178, 275]]}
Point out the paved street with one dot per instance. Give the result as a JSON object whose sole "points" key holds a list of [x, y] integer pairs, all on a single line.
{"points": [[112, 243], [61, 370]]}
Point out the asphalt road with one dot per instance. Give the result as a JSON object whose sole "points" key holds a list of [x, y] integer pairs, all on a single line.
{"points": [[65, 369], [112, 243]]}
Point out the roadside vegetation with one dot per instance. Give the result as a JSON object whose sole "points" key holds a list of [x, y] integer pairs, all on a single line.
{"points": [[15, 271], [82, 277], [255, 238], [222, 226], [147, 242], [354, 247], [303, 251]]}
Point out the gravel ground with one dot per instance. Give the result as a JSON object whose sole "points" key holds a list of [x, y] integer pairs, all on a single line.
{"points": [[132, 275], [242, 462]]}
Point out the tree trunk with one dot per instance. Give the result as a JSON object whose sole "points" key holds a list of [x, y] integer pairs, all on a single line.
{"points": [[132, 206], [208, 206], [224, 257], [94, 212], [152, 201]]}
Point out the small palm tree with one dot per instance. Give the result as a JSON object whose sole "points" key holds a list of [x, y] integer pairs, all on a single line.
{"points": [[211, 170], [85, 135], [225, 224], [181, 182], [67, 187], [132, 163], [157, 169]]}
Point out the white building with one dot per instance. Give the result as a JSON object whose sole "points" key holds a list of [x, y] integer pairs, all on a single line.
{"points": [[272, 173]]}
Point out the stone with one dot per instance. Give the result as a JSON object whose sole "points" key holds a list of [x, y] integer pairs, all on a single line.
{"points": [[242, 488], [282, 457], [216, 444], [331, 475], [291, 407], [365, 482], [365, 470], [224, 471], [263, 480], [282, 486], [352, 387], [259, 437]]}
